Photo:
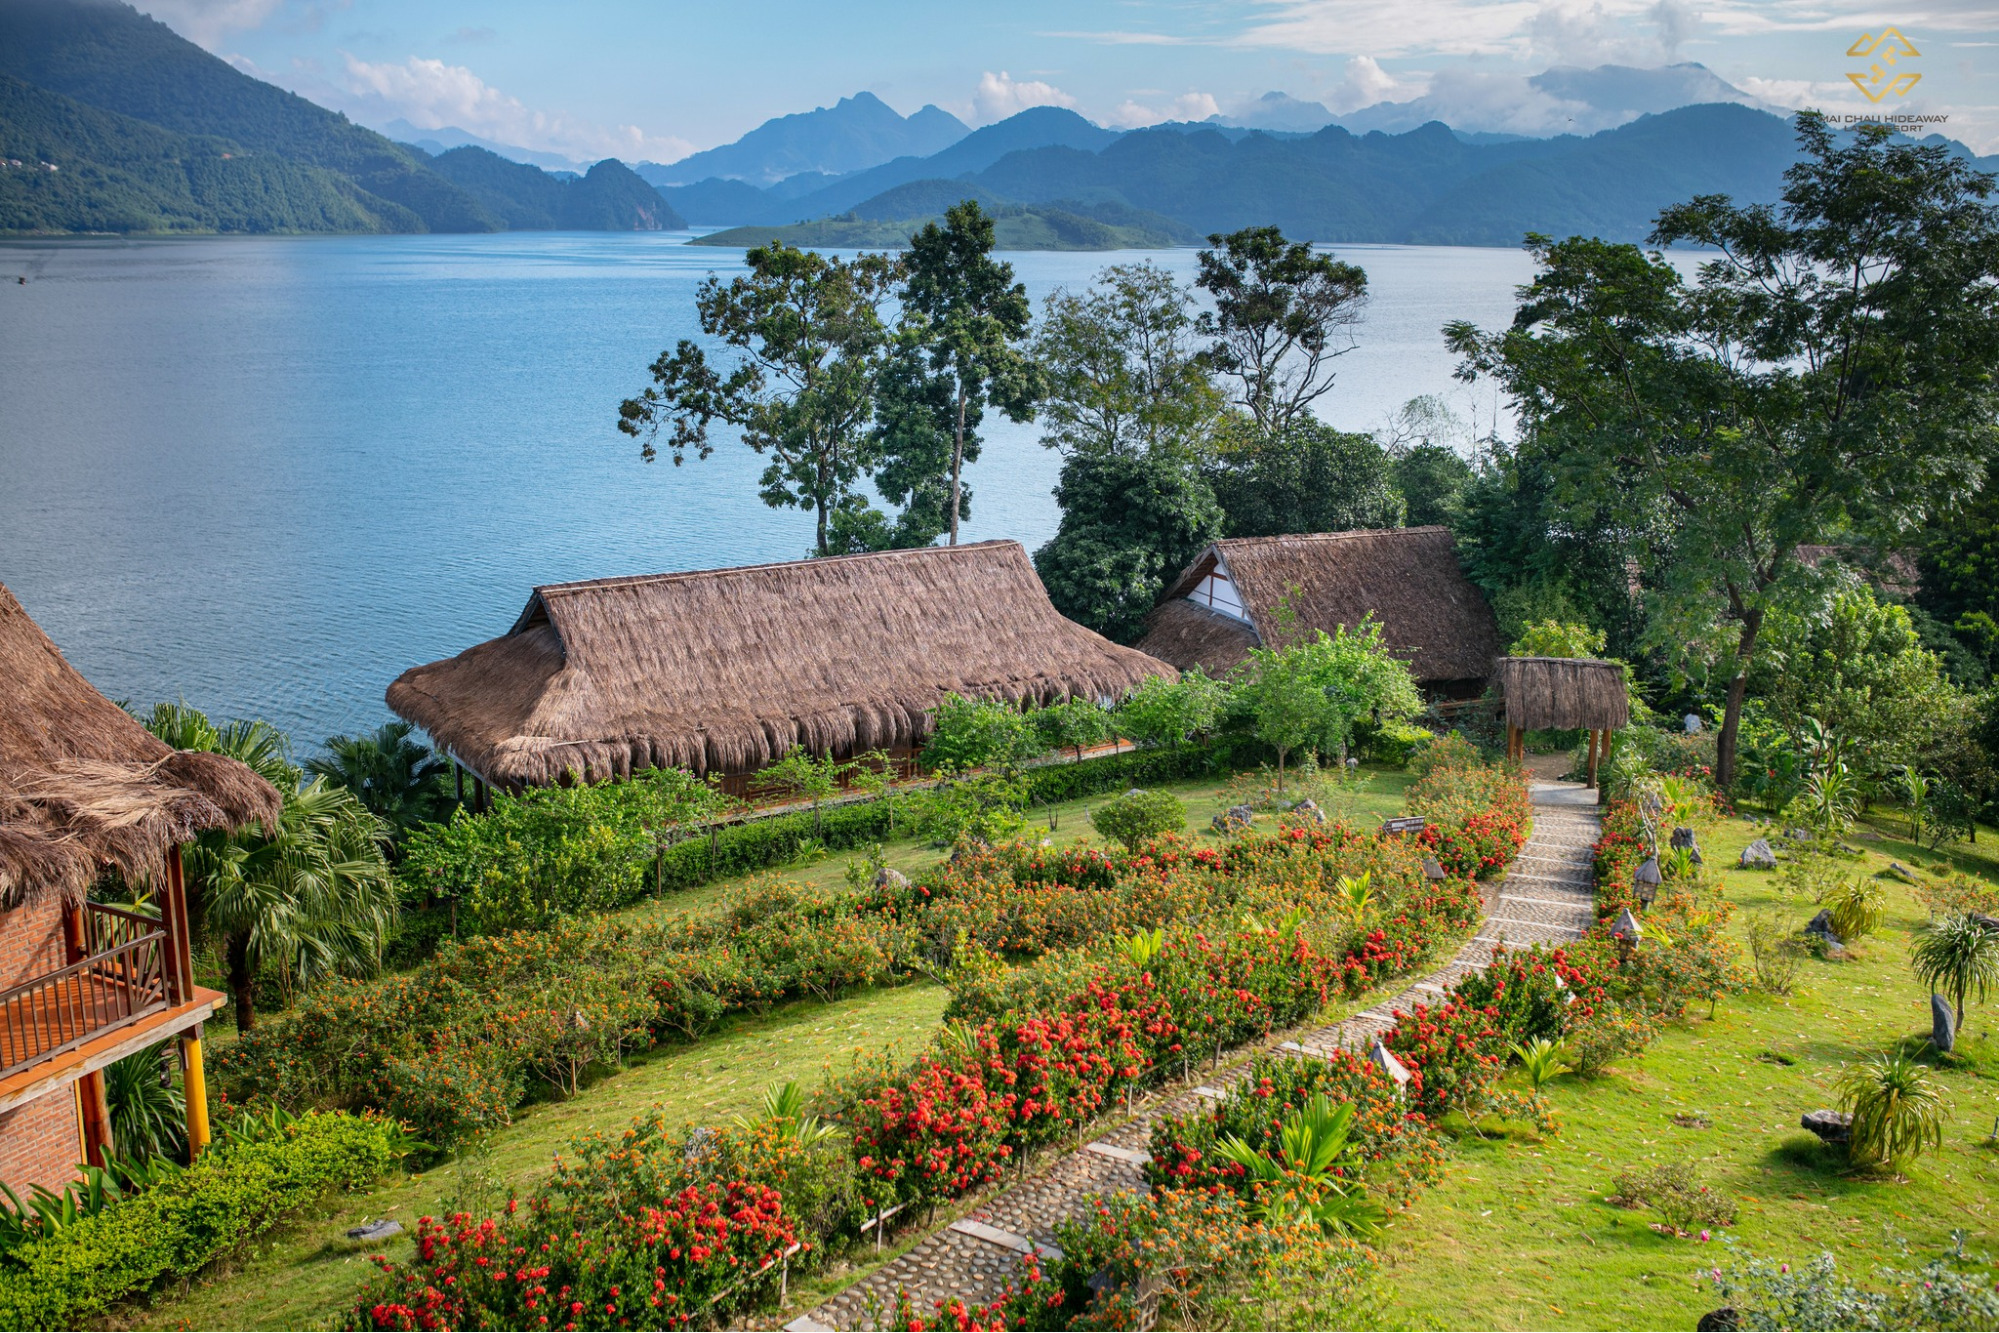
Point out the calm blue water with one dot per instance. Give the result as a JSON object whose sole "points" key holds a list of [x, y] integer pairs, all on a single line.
{"points": [[267, 474]]}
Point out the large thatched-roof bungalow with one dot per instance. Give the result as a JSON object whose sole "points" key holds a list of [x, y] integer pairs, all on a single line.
{"points": [[724, 670], [84, 790], [1234, 597]]}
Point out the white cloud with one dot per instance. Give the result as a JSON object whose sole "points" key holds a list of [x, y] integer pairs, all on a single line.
{"points": [[1365, 83], [431, 95], [1001, 95], [206, 22], [1130, 115]]}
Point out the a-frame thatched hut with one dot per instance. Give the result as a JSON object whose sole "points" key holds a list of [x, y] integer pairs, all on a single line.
{"points": [[84, 789], [724, 670], [1234, 597]]}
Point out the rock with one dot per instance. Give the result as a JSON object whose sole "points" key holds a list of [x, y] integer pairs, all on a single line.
{"points": [[1830, 1126], [1233, 820], [889, 878], [1991, 923], [700, 1144], [1309, 809], [381, 1230], [1801, 835], [1943, 1023], [1725, 1320], [1758, 856], [1869, 835], [1685, 838], [1821, 926], [1901, 872]]}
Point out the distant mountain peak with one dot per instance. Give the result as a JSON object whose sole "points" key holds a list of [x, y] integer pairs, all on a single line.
{"points": [[1276, 111], [855, 133]]}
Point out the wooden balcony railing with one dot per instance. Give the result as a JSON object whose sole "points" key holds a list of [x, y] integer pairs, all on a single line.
{"points": [[123, 975]]}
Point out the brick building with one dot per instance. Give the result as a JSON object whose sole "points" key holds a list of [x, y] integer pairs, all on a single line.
{"points": [[87, 798]]}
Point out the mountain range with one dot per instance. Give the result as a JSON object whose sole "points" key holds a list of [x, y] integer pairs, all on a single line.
{"points": [[856, 133]]}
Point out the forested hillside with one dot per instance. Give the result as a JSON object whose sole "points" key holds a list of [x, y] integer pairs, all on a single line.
{"points": [[609, 197]]}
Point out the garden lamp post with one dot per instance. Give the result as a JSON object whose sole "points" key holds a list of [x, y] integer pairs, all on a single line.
{"points": [[1384, 1059], [1626, 932], [1431, 869], [1647, 881]]}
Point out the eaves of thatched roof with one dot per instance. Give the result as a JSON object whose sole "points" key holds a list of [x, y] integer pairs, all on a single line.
{"points": [[724, 670], [84, 788], [1408, 579], [1563, 693]]}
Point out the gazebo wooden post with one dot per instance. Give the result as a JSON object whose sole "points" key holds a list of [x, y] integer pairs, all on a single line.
{"points": [[180, 969], [1594, 734]]}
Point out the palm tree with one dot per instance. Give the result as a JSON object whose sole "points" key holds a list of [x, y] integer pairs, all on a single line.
{"points": [[147, 1107], [313, 898], [1958, 953], [395, 777], [1897, 1107]]}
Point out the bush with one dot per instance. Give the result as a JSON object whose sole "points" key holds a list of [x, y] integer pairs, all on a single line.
{"points": [[233, 1192], [1138, 816], [1952, 1291], [1394, 742], [1478, 812], [1774, 950], [1676, 1191], [1855, 906]]}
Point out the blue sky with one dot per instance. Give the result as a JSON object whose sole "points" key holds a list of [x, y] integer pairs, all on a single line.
{"points": [[595, 78]]}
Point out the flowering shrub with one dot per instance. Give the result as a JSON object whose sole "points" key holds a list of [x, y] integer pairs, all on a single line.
{"points": [[1479, 813]]}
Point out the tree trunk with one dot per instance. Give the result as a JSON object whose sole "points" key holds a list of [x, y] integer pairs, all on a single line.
{"points": [[822, 526], [242, 982], [1738, 690], [1280, 770], [957, 463]]}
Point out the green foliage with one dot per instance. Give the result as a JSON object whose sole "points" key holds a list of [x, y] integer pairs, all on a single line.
{"points": [[232, 1193], [1128, 525], [1678, 1193], [1138, 817], [1952, 1291], [978, 733], [1308, 478], [1898, 1109], [1855, 905], [1431, 479], [1553, 638], [1074, 724], [1850, 410], [1774, 949], [1122, 371], [985, 807], [608, 197], [1541, 1059], [400, 782], [808, 342], [1958, 954], [1310, 1169], [1283, 314], [148, 1110], [1313, 694]]}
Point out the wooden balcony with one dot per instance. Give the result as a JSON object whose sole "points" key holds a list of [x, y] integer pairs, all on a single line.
{"points": [[122, 993]]}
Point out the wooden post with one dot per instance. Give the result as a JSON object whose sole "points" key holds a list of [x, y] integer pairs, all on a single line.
{"points": [[194, 1085], [98, 1149], [180, 933], [1593, 736]]}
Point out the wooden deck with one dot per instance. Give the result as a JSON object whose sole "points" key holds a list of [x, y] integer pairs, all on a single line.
{"points": [[106, 1045]]}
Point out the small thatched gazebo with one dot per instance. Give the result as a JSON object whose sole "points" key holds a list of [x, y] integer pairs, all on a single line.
{"points": [[1234, 596], [724, 670], [84, 789], [1563, 694]]}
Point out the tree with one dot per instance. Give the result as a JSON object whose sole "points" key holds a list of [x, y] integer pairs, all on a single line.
{"points": [[400, 781], [1169, 712], [1957, 953], [1121, 366], [1074, 724], [1554, 638], [1313, 693], [978, 733], [1282, 315], [310, 899], [1128, 525], [1307, 477], [1432, 480], [1898, 1109], [1137, 817], [971, 315], [1831, 375], [809, 340]]}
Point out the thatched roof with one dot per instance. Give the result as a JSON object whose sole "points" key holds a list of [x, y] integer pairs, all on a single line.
{"points": [[1561, 693], [84, 787], [726, 669], [1407, 578]]}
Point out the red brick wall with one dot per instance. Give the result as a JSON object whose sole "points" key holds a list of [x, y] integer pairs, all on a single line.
{"points": [[30, 942], [40, 1143]]}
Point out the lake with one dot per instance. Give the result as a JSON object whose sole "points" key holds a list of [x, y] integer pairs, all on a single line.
{"points": [[266, 475]]}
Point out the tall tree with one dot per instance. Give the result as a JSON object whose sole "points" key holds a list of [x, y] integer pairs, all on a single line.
{"points": [[973, 317], [1307, 477], [1283, 314], [810, 340], [1124, 371], [310, 899], [1834, 374]]}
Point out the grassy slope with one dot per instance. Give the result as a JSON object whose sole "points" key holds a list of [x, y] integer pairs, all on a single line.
{"points": [[1519, 1235], [303, 1277]]}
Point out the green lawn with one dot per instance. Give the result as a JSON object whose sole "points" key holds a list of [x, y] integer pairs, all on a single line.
{"points": [[305, 1276], [1519, 1234]]}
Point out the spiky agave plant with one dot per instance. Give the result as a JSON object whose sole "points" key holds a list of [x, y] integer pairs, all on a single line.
{"points": [[784, 1110], [1898, 1109], [1303, 1173], [1959, 954]]}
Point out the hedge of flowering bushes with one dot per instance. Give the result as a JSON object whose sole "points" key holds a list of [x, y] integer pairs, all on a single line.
{"points": [[1479, 813]]}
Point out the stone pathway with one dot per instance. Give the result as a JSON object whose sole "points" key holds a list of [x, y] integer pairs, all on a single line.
{"points": [[1545, 897]]}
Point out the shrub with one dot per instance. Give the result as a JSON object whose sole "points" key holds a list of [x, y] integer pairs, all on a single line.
{"points": [[1676, 1191], [1953, 1290], [1855, 906], [1139, 816], [1394, 742], [1478, 812], [1959, 954], [1604, 1038], [233, 1192], [978, 733], [1898, 1110], [1774, 949]]}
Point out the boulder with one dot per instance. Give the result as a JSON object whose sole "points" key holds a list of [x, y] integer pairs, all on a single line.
{"points": [[1830, 1126], [1309, 809], [1725, 1320], [381, 1230], [1821, 926], [1991, 923], [1685, 838], [1758, 856], [1233, 820], [890, 878], [1901, 872], [1943, 1023]]}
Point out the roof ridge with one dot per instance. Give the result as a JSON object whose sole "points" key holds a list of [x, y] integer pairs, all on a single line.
{"points": [[1349, 534], [671, 576]]}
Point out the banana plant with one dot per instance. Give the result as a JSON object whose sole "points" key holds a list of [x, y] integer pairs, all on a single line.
{"points": [[1314, 1144]]}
